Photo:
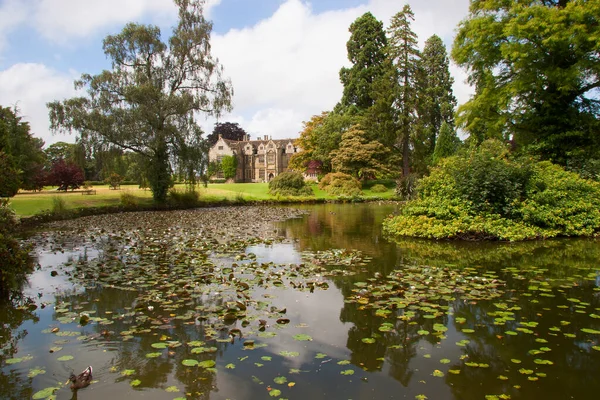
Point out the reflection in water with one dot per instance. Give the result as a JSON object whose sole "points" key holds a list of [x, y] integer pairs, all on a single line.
{"points": [[547, 308]]}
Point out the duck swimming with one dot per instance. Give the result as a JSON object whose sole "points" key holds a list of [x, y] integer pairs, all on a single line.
{"points": [[82, 380]]}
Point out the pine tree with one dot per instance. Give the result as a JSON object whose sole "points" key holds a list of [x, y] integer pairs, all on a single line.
{"points": [[447, 143], [403, 52], [366, 52]]}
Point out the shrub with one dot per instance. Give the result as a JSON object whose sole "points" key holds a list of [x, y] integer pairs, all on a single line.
{"points": [[487, 195], [378, 188], [114, 181], [16, 262], [289, 184], [59, 206], [128, 199], [340, 184], [187, 198]]}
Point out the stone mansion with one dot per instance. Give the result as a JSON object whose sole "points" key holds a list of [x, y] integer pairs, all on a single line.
{"points": [[257, 160]]}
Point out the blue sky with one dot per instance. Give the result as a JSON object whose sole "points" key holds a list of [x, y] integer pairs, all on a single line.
{"points": [[283, 56]]}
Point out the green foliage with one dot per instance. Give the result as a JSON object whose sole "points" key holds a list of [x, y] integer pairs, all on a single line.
{"points": [[213, 169], [184, 199], [128, 199], [340, 184], [486, 195], [9, 178], [229, 166], [366, 52], [535, 68], [59, 205], [24, 150], [447, 143], [16, 262], [358, 157], [319, 138], [379, 188], [148, 99], [289, 184]]}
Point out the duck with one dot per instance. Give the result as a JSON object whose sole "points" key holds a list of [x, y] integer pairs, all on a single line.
{"points": [[82, 380]]}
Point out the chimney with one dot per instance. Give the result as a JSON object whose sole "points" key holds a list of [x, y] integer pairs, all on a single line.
{"points": [[266, 137], [220, 136]]}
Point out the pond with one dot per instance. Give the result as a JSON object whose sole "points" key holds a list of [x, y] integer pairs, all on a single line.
{"points": [[296, 303]]}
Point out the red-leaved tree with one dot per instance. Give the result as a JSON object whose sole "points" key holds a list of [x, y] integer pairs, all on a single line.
{"points": [[65, 175]]}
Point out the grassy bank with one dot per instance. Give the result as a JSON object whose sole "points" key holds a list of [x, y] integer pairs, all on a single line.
{"points": [[27, 204]]}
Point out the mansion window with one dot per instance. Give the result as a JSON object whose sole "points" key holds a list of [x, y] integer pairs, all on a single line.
{"points": [[261, 159], [220, 147], [271, 158]]}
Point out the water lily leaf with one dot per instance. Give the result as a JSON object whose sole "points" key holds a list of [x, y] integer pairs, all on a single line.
{"points": [[159, 345], [172, 389], [591, 331], [230, 366], [44, 393], [135, 383], [33, 372], [190, 363], [445, 361], [153, 355], [286, 353], [18, 360], [65, 358], [280, 380], [543, 362], [454, 371], [207, 363], [266, 358], [344, 362], [438, 373], [320, 355], [368, 340], [347, 372], [275, 393], [302, 337], [515, 360], [467, 330], [128, 372]]}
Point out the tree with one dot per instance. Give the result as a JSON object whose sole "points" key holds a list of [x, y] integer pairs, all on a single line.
{"points": [[65, 175], [436, 101], [114, 180], [405, 55], [24, 150], [229, 166], [359, 157], [535, 67], [366, 52], [60, 151], [9, 178], [228, 130], [447, 143], [147, 101], [320, 137]]}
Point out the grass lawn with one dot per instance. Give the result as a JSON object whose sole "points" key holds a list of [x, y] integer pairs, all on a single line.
{"points": [[28, 203]]}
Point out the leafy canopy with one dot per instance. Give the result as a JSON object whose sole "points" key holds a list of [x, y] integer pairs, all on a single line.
{"points": [[535, 68], [147, 101]]}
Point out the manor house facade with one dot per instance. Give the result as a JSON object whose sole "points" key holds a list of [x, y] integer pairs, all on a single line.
{"points": [[257, 160]]}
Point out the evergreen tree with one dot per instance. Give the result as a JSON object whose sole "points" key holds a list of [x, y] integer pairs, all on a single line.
{"points": [[366, 52], [405, 56], [359, 157], [436, 98], [447, 143]]}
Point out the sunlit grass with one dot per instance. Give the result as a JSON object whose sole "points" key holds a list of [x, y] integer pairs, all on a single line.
{"points": [[28, 203]]}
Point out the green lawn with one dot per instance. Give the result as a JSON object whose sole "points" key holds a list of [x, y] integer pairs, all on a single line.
{"points": [[27, 203]]}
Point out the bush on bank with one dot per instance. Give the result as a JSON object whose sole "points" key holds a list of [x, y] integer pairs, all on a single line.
{"points": [[485, 194], [289, 184], [16, 262]]}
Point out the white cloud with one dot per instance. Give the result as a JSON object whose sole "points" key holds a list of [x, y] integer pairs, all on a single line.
{"points": [[29, 87], [285, 68], [12, 14]]}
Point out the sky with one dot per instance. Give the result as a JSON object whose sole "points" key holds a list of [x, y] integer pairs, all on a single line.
{"points": [[282, 56]]}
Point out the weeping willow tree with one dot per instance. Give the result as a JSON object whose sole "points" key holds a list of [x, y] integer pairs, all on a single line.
{"points": [[148, 101]]}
